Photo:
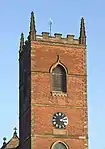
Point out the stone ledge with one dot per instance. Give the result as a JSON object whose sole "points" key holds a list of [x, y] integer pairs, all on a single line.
{"points": [[58, 93], [60, 132]]}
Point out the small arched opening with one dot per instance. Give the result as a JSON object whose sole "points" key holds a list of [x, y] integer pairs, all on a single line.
{"points": [[59, 82]]}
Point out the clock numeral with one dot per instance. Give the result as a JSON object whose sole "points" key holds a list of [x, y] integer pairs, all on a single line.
{"points": [[63, 126], [59, 114], [65, 118], [56, 114], [54, 119], [54, 123], [59, 126]]}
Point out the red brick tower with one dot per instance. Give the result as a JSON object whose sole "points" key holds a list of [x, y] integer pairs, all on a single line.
{"points": [[53, 91]]}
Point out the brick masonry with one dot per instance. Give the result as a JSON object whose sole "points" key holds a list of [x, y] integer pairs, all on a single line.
{"points": [[40, 103]]}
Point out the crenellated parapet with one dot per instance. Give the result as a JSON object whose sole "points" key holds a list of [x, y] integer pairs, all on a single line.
{"points": [[57, 38]]}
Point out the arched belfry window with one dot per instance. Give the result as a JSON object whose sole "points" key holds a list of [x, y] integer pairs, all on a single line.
{"points": [[59, 79], [59, 145]]}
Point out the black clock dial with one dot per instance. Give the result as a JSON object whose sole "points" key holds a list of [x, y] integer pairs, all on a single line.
{"points": [[59, 120]]}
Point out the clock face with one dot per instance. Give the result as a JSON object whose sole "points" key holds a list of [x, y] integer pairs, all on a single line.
{"points": [[59, 120], [60, 146]]}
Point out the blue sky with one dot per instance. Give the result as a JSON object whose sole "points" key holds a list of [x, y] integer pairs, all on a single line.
{"points": [[66, 15]]}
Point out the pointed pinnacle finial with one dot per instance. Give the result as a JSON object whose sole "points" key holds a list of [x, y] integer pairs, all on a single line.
{"points": [[82, 38], [4, 139], [32, 27], [15, 133], [21, 41]]}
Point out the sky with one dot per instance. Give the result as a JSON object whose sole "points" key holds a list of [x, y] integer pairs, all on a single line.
{"points": [[66, 15]]}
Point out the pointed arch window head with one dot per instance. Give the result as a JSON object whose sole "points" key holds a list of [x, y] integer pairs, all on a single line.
{"points": [[59, 79], [60, 146]]}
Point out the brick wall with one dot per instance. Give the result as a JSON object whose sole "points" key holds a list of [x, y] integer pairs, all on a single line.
{"points": [[44, 104]]}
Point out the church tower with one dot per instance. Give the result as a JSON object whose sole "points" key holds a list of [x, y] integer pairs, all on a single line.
{"points": [[53, 111]]}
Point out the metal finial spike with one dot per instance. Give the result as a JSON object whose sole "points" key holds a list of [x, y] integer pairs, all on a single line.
{"points": [[50, 24]]}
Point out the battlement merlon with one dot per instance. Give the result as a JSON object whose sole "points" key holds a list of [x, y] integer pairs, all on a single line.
{"points": [[57, 38]]}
